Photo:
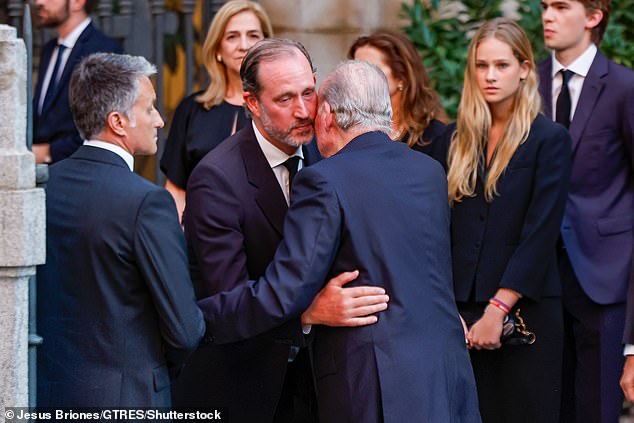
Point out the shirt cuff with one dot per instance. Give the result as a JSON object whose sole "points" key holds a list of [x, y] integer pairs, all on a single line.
{"points": [[628, 350], [307, 328]]}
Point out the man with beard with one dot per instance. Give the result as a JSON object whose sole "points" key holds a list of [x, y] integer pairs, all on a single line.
{"points": [[54, 134], [237, 198]]}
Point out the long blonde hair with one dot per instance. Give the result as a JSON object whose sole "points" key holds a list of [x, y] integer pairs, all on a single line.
{"points": [[215, 92], [474, 116]]}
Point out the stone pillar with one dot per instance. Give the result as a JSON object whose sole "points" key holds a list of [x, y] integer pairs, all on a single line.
{"points": [[328, 27], [22, 217]]}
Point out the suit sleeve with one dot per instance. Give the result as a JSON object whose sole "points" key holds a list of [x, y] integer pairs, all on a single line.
{"points": [[301, 264], [525, 270], [162, 260], [213, 227]]}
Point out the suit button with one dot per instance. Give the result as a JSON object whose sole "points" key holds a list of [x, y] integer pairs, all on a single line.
{"points": [[210, 339]]}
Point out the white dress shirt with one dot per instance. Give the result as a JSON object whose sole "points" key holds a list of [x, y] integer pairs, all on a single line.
{"points": [[68, 42], [127, 157], [276, 159], [580, 67]]}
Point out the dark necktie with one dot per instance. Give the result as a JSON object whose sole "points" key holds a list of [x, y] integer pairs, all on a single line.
{"points": [[291, 164], [564, 103], [52, 85]]}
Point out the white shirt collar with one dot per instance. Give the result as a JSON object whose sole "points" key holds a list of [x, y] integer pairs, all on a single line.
{"points": [[127, 157], [273, 155], [580, 66], [71, 39]]}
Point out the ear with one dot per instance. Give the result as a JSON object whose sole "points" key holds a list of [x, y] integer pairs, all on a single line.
{"points": [[593, 18], [326, 116], [117, 123], [252, 104], [524, 69]]}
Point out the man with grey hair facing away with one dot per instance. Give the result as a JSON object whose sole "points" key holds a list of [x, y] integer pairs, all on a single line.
{"points": [[115, 303], [376, 206]]}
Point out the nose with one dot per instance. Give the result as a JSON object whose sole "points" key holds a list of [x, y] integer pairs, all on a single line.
{"points": [[490, 75], [159, 121], [244, 43], [547, 14], [301, 108]]}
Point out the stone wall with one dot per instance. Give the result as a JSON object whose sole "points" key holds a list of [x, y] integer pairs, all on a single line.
{"points": [[328, 27], [22, 216]]}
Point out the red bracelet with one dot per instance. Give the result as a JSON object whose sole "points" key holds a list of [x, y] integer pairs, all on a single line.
{"points": [[499, 304]]}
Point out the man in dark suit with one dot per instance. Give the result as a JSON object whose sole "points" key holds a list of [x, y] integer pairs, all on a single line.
{"points": [[237, 198], [594, 98], [115, 303], [55, 136], [380, 207]]}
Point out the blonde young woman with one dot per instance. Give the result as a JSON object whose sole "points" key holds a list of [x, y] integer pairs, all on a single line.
{"points": [[417, 115], [206, 118], [508, 168]]}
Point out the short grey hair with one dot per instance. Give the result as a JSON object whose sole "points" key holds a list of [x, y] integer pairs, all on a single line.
{"points": [[359, 97], [105, 83], [267, 50]]}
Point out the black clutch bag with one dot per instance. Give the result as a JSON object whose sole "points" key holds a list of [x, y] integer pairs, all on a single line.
{"points": [[514, 331]]}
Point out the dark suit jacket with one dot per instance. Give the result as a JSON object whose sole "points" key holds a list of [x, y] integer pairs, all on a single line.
{"points": [[597, 225], [115, 303], [379, 207], [55, 124], [510, 242], [233, 224]]}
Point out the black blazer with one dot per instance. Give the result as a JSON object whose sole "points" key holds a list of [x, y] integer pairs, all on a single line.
{"points": [[115, 303], [510, 242], [233, 225], [55, 124]]}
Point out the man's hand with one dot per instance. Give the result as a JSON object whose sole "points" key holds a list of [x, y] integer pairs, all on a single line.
{"points": [[339, 306], [627, 380], [42, 153]]}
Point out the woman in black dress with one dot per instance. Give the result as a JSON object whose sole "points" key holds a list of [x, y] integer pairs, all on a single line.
{"points": [[206, 118], [417, 114], [508, 171]]}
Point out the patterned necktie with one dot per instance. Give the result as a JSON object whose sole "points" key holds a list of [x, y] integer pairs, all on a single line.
{"points": [[52, 85], [563, 101]]}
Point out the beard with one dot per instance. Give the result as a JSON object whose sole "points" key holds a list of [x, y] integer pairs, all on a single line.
{"points": [[286, 136], [47, 18]]}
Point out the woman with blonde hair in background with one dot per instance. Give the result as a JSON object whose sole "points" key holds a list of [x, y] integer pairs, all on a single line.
{"points": [[508, 170], [417, 114], [206, 118]]}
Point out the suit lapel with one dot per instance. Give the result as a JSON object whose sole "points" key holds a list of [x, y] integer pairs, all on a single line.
{"points": [[73, 59], [592, 87], [269, 196], [44, 61]]}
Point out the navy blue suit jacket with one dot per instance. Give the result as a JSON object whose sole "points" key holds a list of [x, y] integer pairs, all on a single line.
{"points": [[55, 124], [379, 207], [115, 303], [597, 224], [233, 224], [510, 242]]}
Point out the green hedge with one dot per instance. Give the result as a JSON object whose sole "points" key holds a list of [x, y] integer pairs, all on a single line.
{"points": [[443, 42]]}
